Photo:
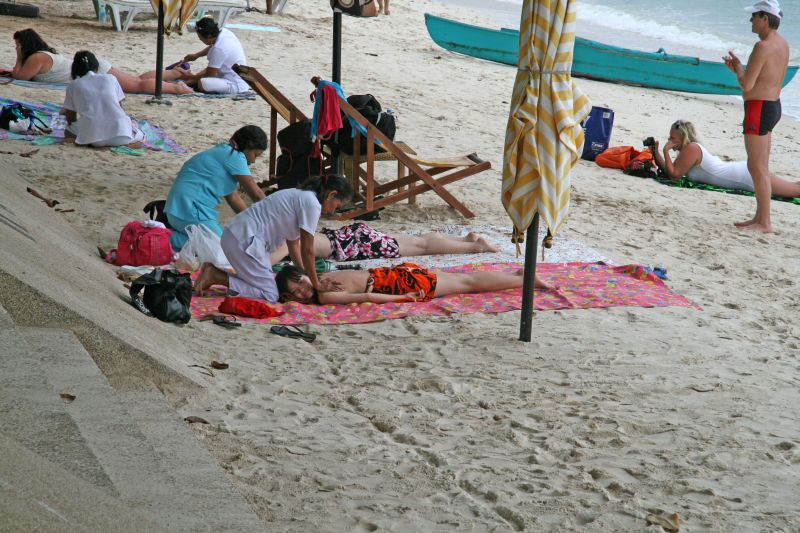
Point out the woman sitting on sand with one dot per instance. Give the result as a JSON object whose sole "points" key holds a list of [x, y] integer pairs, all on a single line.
{"points": [[290, 216], [699, 165], [36, 61], [359, 242], [406, 281], [223, 51], [208, 177], [92, 107]]}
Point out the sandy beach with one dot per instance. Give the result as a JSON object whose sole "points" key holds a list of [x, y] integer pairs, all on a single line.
{"points": [[450, 423]]}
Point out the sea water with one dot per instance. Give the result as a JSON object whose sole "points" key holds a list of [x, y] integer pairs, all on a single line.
{"points": [[702, 28]]}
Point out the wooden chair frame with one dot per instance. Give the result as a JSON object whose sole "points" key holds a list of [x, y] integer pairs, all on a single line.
{"points": [[414, 181]]}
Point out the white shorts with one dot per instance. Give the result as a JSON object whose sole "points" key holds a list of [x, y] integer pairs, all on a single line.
{"points": [[217, 86]]}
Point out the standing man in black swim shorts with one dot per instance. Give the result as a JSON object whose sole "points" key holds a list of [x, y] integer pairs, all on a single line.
{"points": [[761, 84]]}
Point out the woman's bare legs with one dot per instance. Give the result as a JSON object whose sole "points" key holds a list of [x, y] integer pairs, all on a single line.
{"points": [[453, 283], [439, 243], [166, 75], [209, 275], [785, 188], [134, 85]]}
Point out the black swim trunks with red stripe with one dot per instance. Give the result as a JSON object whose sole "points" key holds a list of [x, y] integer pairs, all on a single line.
{"points": [[760, 116]]}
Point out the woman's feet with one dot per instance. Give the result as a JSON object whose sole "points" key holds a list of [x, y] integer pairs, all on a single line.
{"points": [[209, 275]]}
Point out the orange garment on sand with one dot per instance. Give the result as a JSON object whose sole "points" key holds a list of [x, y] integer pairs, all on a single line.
{"points": [[621, 156], [402, 279]]}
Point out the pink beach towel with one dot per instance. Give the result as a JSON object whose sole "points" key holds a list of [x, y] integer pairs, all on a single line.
{"points": [[581, 286]]}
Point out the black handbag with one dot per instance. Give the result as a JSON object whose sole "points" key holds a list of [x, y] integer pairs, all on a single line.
{"points": [[167, 295]]}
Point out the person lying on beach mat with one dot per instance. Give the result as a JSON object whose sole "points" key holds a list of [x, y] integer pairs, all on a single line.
{"points": [[699, 165], [208, 177], [359, 242], [223, 50], [93, 107], [288, 216], [404, 282], [37, 61]]}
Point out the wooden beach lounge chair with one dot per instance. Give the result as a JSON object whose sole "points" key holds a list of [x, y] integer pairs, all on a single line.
{"points": [[414, 176], [122, 12]]}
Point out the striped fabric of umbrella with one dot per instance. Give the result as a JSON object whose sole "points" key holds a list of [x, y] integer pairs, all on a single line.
{"points": [[176, 13], [544, 138]]}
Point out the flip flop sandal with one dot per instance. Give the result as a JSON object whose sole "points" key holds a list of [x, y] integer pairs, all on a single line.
{"points": [[293, 332], [227, 321]]}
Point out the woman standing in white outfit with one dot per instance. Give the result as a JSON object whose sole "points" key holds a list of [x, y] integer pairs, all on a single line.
{"points": [[92, 107], [699, 165]]}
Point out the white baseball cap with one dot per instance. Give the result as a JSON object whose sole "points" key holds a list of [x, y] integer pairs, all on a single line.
{"points": [[767, 6]]}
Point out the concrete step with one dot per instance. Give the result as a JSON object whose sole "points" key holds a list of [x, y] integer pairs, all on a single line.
{"points": [[38, 495], [5, 319], [32, 413], [155, 463], [211, 494], [110, 432]]}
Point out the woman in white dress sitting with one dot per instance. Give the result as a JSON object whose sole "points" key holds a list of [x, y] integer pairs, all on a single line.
{"points": [[701, 166], [92, 107]]}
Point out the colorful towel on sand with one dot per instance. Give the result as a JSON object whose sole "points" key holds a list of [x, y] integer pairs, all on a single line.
{"points": [[249, 95], [155, 138], [686, 183], [581, 286]]}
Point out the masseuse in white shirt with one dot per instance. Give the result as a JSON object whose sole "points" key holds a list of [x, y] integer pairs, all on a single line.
{"points": [[92, 107], [223, 51]]}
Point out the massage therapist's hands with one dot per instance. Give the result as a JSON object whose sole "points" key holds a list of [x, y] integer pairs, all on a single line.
{"points": [[328, 285], [191, 57]]}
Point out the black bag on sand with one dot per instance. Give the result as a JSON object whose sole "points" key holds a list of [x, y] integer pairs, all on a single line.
{"points": [[167, 295], [370, 108], [296, 162], [155, 210]]}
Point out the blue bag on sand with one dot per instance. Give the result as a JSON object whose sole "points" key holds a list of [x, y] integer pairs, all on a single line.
{"points": [[597, 130]]}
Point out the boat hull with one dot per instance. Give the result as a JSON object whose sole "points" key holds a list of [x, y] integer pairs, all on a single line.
{"points": [[595, 60]]}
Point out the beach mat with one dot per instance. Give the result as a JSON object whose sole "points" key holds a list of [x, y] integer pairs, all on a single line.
{"points": [[686, 183], [249, 95], [581, 286], [156, 139]]}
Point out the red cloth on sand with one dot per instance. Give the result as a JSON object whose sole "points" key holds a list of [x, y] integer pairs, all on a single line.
{"points": [[238, 305]]}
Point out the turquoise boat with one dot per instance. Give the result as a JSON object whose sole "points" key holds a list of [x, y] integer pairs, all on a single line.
{"points": [[597, 61]]}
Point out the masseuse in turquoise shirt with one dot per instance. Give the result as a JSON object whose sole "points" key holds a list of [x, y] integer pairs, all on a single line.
{"points": [[208, 177]]}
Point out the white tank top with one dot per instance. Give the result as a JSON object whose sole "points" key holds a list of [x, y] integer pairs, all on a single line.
{"points": [[714, 171], [60, 72]]}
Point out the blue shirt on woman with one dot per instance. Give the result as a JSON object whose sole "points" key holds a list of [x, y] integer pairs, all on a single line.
{"points": [[202, 182]]}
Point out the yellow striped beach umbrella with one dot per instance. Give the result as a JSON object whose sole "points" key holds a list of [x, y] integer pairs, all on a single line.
{"points": [[544, 137], [176, 13]]}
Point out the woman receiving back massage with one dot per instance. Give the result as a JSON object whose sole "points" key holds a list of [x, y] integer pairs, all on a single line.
{"points": [[701, 166], [404, 282], [360, 242]]}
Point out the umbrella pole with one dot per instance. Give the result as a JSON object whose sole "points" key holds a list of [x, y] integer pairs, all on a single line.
{"points": [[336, 75], [528, 278], [159, 59]]}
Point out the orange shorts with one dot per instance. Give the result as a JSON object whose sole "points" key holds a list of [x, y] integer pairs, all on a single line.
{"points": [[402, 279]]}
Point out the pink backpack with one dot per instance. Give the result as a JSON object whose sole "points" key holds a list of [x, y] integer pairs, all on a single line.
{"points": [[139, 245]]}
